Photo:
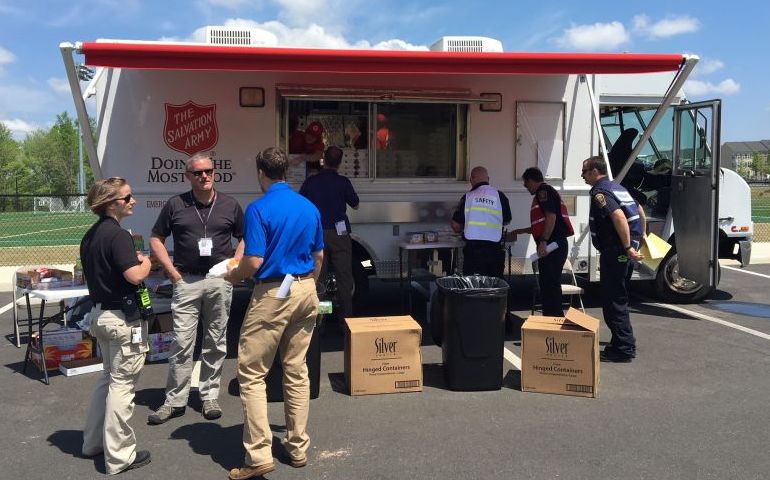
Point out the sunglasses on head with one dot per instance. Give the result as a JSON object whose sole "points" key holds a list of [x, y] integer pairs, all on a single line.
{"points": [[199, 173]]}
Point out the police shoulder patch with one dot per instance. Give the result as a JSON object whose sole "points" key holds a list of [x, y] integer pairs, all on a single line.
{"points": [[600, 200]]}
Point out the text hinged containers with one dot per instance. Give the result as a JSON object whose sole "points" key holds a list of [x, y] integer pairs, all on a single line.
{"points": [[560, 354], [382, 355]]}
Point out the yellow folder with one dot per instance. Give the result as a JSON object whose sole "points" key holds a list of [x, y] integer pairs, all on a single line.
{"points": [[654, 250]]}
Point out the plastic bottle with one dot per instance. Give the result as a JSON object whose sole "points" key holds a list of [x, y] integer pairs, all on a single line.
{"points": [[77, 273]]}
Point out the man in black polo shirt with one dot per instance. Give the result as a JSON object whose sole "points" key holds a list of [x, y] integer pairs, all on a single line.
{"points": [[202, 223], [549, 223], [331, 193]]}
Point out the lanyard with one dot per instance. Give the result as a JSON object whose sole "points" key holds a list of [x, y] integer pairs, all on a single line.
{"points": [[214, 202]]}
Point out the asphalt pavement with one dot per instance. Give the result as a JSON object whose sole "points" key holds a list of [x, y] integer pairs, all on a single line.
{"points": [[693, 405]]}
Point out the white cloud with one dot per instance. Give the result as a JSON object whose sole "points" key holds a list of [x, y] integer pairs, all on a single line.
{"points": [[19, 128], [599, 36], [305, 12], [6, 57], [668, 27], [698, 88], [59, 85], [275, 33], [708, 66], [18, 99], [232, 4]]}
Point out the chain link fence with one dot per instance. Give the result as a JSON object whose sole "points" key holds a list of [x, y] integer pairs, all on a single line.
{"points": [[760, 211], [42, 229]]}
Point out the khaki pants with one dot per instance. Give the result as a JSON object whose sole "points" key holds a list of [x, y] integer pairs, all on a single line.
{"points": [[112, 402], [338, 249], [194, 298], [271, 323]]}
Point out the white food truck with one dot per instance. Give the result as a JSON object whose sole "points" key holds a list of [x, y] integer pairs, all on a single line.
{"points": [[412, 124]]}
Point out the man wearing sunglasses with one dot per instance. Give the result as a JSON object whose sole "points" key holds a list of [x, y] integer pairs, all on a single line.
{"points": [[203, 223]]}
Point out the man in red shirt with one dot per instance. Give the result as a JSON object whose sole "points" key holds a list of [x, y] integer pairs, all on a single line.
{"points": [[310, 145]]}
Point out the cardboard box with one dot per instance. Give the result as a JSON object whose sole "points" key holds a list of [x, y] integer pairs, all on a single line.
{"points": [[79, 367], [160, 345], [43, 278], [61, 346], [160, 338], [382, 355], [560, 354]]}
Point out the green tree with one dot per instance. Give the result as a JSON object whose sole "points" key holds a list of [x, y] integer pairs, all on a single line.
{"points": [[9, 152], [50, 158], [760, 165]]}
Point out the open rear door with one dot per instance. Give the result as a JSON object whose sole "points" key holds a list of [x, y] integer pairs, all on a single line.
{"points": [[695, 190]]}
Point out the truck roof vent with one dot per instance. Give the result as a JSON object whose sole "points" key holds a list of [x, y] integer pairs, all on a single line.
{"points": [[231, 36], [467, 44]]}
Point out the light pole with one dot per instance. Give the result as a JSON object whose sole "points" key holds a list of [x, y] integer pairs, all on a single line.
{"points": [[84, 74]]}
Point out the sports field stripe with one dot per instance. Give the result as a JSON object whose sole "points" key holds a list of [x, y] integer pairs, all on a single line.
{"points": [[748, 272], [43, 231]]}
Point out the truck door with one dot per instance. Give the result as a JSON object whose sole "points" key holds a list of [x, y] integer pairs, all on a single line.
{"points": [[695, 190]]}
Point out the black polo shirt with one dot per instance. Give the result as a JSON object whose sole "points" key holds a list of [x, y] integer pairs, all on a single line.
{"points": [[106, 251], [330, 192], [550, 201], [183, 218]]}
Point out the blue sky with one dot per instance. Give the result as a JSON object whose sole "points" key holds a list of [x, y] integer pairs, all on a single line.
{"points": [[731, 38]]}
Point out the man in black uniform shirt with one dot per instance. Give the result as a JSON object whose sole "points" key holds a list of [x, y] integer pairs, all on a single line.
{"points": [[203, 223], [549, 223], [616, 231]]}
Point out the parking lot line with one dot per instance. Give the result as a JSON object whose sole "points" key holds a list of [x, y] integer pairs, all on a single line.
{"points": [[709, 318], [746, 271], [512, 358]]}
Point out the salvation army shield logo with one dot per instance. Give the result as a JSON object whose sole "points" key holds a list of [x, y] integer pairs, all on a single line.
{"points": [[191, 128]]}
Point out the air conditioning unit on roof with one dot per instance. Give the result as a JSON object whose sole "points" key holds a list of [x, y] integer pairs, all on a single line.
{"points": [[467, 44], [218, 35]]}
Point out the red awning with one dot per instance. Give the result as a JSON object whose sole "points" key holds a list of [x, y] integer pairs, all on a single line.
{"points": [[168, 56]]}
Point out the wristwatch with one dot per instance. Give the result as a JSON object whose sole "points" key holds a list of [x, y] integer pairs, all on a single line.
{"points": [[628, 248]]}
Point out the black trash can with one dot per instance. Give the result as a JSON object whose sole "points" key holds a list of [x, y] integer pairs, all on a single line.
{"points": [[472, 310], [274, 379]]}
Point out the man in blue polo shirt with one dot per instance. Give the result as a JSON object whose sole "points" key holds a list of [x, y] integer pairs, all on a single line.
{"points": [[332, 193], [283, 237]]}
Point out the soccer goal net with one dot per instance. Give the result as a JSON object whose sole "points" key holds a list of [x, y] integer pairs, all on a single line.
{"points": [[59, 205]]}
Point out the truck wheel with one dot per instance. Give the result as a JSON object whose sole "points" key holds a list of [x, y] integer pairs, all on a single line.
{"points": [[673, 288], [360, 282]]}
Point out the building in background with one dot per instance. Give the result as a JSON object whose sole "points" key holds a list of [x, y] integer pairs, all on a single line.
{"points": [[750, 159]]}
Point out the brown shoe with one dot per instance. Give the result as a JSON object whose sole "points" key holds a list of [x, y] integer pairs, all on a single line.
{"points": [[299, 462], [251, 472]]}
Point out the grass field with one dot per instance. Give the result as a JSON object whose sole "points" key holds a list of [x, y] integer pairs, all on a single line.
{"points": [[760, 204], [28, 229]]}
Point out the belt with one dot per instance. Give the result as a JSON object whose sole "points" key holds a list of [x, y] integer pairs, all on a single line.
{"points": [[193, 272], [261, 281], [109, 305]]}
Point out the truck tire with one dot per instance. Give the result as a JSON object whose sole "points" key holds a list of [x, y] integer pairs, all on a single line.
{"points": [[360, 282], [672, 288]]}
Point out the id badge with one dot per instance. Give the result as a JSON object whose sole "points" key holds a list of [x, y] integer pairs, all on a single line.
{"points": [[204, 247], [136, 335], [342, 229]]}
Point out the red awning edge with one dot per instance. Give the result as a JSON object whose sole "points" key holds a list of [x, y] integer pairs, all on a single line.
{"points": [[170, 56]]}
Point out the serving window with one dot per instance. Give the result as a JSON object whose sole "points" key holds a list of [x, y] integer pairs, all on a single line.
{"points": [[380, 140]]}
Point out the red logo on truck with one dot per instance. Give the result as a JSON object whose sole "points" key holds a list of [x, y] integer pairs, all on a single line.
{"points": [[191, 128]]}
